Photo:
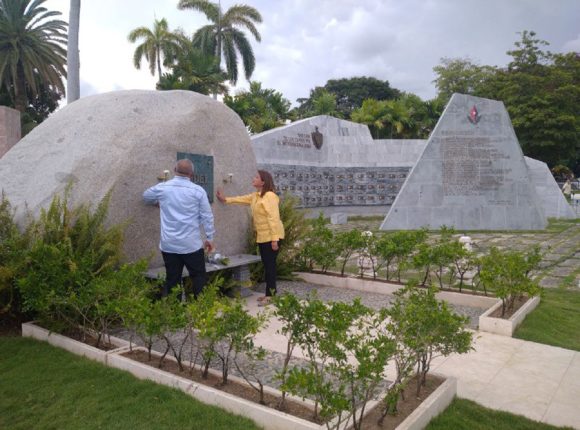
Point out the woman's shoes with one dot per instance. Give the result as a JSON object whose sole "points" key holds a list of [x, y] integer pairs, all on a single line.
{"points": [[265, 300]]}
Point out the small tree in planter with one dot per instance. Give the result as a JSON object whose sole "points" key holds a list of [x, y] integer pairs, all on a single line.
{"points": [[235, 329], [508, 274], [423, 261], [319, 246], [348, 242], [367, 257], [152, 319], [427, 327], [405, 244], [295, 323], [224, 328], [340, 333], [443, 255], [247, 364], [463, 261]]}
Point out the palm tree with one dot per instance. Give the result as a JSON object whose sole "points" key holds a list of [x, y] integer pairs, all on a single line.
{"points": [[224, 38], [73, 63], [32, 49], [157, 42], [194, 71]]}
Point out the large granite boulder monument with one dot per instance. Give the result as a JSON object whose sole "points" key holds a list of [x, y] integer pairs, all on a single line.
{"points": [[471, 175], [124, 141]]}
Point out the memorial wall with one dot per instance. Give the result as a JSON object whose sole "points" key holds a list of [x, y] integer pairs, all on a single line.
{"points": [[328, 162]]}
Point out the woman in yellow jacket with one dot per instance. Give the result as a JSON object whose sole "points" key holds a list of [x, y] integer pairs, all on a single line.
{"points": [[267, 223]]}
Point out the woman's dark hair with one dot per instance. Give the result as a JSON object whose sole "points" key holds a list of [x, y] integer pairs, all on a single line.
{"points": [[268, 182]]}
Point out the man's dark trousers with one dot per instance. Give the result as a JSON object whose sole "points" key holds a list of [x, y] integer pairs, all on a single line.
{"points": [[195, 263]]}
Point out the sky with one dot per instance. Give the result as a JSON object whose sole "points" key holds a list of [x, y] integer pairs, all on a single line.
{"points": [[307, 42]]}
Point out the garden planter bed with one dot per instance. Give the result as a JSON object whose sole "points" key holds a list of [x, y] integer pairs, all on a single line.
{"points": [[506, 326], [416, 412], [384, 287], [234, 399], [77, 347]]}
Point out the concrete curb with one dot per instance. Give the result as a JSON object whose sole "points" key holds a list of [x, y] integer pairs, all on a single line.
{"points": [[29, 329], [432, 406], [269, 418], [506, 327]]}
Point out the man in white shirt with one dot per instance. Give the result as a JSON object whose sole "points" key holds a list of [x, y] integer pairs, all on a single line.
{"points": [[184, 207]]}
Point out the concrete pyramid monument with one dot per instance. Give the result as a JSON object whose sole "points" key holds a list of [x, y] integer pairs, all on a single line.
{"points": [[471, 175], [553, 201]]}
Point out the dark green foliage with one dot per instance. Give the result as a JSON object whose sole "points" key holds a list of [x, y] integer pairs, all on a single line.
{"points": [[260, 108], [12, 251], [193, 70], [73, 252], [541, 93], [32, 50], [349, 94], [224, 37], [319, 246], [406, 117]]}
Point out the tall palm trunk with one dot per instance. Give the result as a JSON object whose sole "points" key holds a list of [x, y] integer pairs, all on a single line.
{"points": [[158, 49], [20, 98], [219, 40], [72, 56]]}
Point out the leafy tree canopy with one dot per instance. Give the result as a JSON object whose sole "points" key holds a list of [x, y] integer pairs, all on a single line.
{"points": [[350, 94], [540, 90], [260, 108]]}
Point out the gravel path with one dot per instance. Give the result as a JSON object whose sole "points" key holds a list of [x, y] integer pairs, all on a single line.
{"points": [[266, 369]]}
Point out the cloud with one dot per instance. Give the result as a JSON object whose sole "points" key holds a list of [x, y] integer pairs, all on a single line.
{"points": [[305, 43]]}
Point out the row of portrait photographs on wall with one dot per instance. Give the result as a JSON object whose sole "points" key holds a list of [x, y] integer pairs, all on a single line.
{"points": [[339, 186], [329, 176]]}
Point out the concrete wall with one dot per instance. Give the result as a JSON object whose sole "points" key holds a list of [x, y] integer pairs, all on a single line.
{"points": [[9, 129]]}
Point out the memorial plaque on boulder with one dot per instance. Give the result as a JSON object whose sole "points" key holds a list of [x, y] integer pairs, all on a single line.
{"points": [[471, 175], [202, 171]]}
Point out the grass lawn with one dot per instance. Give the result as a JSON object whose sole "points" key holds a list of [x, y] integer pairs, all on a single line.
{"points": [[42, 387], [467, 415], [556, 320]]}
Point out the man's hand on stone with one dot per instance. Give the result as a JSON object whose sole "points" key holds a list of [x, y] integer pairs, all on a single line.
{"points": [[208, 245]]}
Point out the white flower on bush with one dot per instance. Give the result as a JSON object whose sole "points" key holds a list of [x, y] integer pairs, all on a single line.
{"points": [[367, 234]]}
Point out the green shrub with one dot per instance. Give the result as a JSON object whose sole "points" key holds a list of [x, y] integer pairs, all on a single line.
{"points": [[13, 246], [508, 274], [69, 250]]}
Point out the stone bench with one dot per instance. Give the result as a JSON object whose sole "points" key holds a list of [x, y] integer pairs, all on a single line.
{"points": [[240, 263]]}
